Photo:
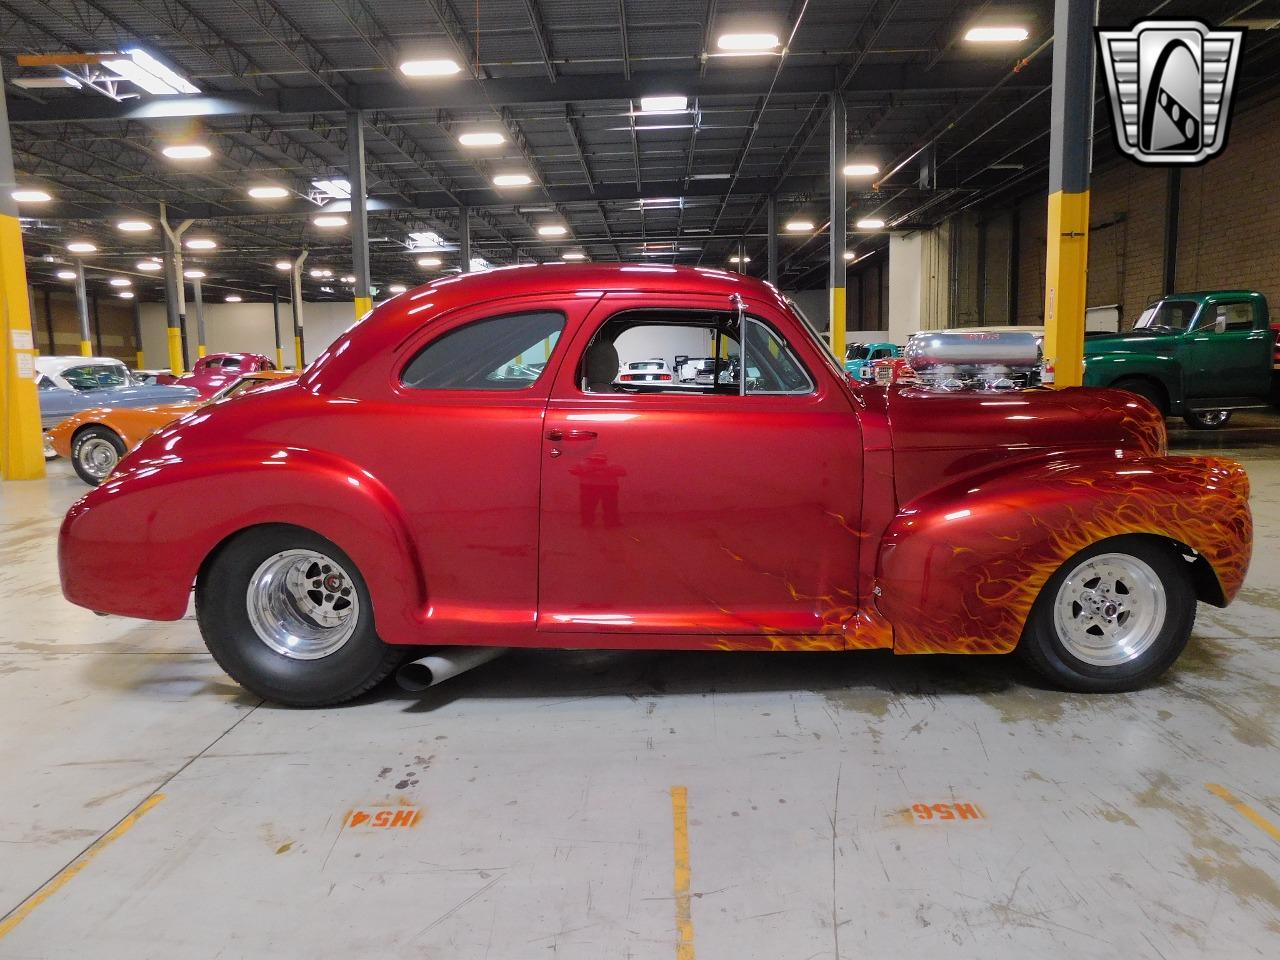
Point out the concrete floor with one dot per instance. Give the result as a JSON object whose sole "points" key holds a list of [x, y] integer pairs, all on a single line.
{"points": [[527, 807]]}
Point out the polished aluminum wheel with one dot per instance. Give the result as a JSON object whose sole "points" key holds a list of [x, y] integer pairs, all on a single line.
{"points": [[302, 604], [1110, 609], [1212, 418], [97, 456]]}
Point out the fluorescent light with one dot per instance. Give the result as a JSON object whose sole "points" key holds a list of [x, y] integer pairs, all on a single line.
{"points": [[133, 226], [201, 243], [125, 294], [871, 223], [996, 34], [283, 265], [232, 298], [397, 288], [194, 274], [120, 282], [512, 180], [148, 266], [145, 71], [31, 196], [799, 226], [329, 221], [552, 230], [429, 68], [187, 151], [66, 274], [319, 274], [338, 189], [573, 255], [848, 254], [79, 246], [348, 279], [747, 42], [268, 193], [664, 104], [861, 170], [480, 138], [47, 83], [429, 261], [737, 259], [711, 176]]}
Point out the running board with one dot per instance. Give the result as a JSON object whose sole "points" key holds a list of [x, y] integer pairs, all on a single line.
{"points": [[1224, 403]]}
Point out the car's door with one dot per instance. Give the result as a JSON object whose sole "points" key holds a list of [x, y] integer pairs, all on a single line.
{"points": [[1232, 350], [731, 511]]}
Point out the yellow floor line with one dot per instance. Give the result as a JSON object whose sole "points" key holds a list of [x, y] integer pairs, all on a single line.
{"points": [[683, 874], [1246, 811], [64, 876]]}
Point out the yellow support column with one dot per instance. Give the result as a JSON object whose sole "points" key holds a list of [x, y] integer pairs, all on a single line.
{"points": [[839, 199], [21, 453], [838, 323], [1066, 282], [1066, 259], [363, 306]]}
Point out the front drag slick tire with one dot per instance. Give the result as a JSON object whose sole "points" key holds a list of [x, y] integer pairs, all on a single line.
{"points": [[288, 616], [1113, 617]]}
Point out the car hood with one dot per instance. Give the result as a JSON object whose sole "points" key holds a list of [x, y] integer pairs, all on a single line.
{"points": [[1135, 341]]}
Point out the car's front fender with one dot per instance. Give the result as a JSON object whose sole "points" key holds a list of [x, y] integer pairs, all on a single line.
{"points": [[135, 545], [1105, 369], [960, 567]]}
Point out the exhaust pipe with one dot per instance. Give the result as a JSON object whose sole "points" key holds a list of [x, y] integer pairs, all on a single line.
{"points": [[443, 663]]}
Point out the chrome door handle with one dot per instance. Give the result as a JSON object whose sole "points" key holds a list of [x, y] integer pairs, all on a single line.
{"points": [[556, 436]]}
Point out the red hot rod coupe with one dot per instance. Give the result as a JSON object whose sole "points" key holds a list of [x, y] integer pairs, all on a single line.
{"points": [[461, 468]]}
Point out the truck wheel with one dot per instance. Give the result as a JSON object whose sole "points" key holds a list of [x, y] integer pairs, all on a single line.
{"points": [[1207, 419], [1114, 617], [1146, 389], [95, 452], [287, 615]]}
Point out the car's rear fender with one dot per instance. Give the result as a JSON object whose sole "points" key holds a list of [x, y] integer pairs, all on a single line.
{"points": [[960, 567], [135, 545]]}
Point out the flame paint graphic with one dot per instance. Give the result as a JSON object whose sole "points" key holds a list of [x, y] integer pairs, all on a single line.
{"points": [[960, 574]]}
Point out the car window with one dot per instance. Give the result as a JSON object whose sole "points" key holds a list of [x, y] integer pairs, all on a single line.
{"points": [[44, 383], [498, 353], [1168, 315], [231, 362], [771, 366], [1238, 316], [96, 376]]}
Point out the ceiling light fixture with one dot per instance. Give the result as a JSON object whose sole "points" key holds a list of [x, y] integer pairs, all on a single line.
{"points": [[871, 223], [133, 226], [79, 246], [268, 193], [737, 259], [187, 151], [125, 294], [664, 104], [329, 221], [148, 266], [194, 274], [861, 170], [145, 71], [232, 298], [283, 265], [552, 230], [512, 180], [201, 243], [429, 261], [66, 274], [747, 43], [429, 68], [120, 282], [30, 195], [482, 138], [799, 226], [996, 34], [573, 255], [397, 288]]}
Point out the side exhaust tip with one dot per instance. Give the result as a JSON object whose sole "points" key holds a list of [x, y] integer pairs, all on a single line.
{"points": [[441, 664]]}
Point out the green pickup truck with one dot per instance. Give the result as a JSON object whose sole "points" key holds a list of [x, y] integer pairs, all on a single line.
{"points": [[1200, 356]]}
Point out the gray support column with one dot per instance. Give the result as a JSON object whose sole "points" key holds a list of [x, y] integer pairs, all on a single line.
{"points": [[82, 304], [464, 239], [198, 293], [839, 201], [97, 323], [174, 296], [48, 322], [359, 213], [772, 248], [275, 327], [296, 278], [140, 358]]}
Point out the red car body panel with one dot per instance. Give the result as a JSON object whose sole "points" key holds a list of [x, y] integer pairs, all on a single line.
{"points": [[208, 376], [828, 521]]}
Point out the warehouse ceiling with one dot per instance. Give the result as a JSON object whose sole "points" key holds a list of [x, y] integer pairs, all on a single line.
{"points": [[947, 123]]}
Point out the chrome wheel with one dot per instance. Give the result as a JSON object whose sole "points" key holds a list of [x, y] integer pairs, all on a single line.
{"points": [[1110, 609], [98, 456], [1212, 418], [302, 604]]}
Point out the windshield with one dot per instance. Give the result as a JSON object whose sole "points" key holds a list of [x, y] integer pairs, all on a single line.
{"points": [[1169, 315], [96, 376], [237, 387], [647, 365]]}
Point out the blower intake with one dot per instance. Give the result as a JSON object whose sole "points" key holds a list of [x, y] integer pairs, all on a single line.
{"points": [[974, 360]]}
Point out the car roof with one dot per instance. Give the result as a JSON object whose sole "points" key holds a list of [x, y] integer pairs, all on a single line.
{"points": [[55, 365]]}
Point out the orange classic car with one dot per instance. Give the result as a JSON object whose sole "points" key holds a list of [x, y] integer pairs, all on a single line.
{"points": [[95, 440]]}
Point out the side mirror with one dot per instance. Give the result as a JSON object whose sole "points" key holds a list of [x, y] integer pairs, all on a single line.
{"points": [[1219, 324]]}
